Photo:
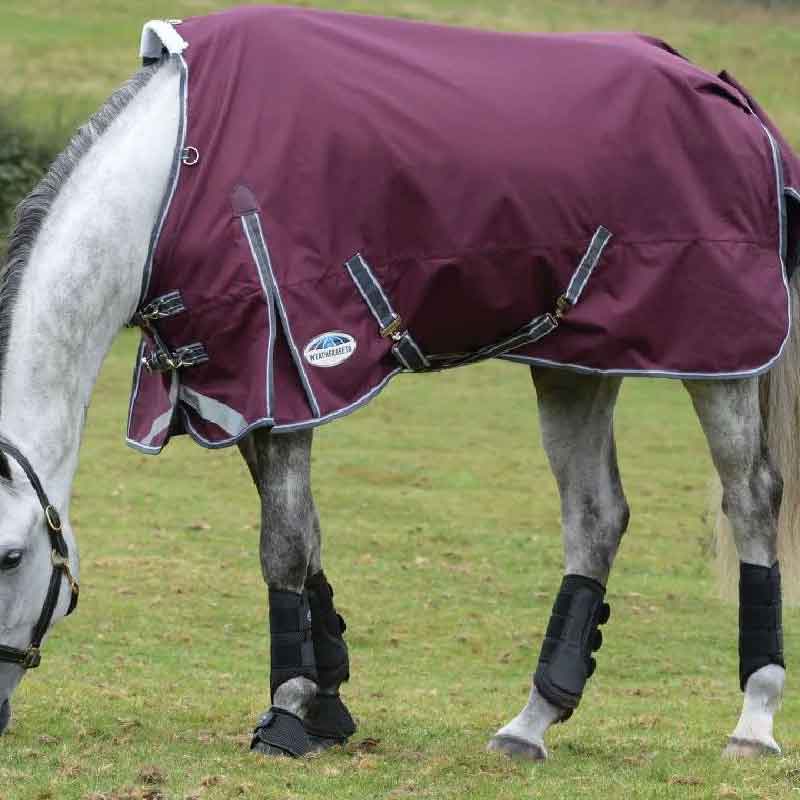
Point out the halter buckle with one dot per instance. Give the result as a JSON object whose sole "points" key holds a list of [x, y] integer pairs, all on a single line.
{"points": [[62, 563], [53, 519], [33, 658]]}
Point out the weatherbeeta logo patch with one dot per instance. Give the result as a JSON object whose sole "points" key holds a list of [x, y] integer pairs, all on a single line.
{"points": [[329, 349]]}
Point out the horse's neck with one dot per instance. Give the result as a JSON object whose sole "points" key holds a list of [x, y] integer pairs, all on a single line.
{"points": [[83, 280]]}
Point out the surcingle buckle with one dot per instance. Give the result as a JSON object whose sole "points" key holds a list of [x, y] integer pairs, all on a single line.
{"points": [[392, 329]]}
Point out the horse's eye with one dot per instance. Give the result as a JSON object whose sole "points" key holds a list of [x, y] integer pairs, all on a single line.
{"points": [[10, 560]]}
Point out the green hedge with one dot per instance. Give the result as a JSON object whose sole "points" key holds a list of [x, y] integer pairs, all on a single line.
{"points": [[24, 156]]}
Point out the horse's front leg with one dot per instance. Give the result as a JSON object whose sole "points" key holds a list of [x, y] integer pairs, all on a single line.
{"points": [[308, 656], [729, 412], [576, 420]]}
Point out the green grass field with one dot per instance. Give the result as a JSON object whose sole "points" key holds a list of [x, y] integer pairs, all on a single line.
{"points": [[445, 568]]}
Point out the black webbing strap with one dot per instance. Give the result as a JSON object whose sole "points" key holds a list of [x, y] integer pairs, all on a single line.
{"points": [[760, 623], [527, 334], [390, 324], [31, 657], [291, 644], [161, 307], [586, 266]]}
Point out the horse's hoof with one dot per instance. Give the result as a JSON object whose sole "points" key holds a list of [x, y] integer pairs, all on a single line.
{"points": [[514, 747], [281, 733], [319, 743], [750, 748]]}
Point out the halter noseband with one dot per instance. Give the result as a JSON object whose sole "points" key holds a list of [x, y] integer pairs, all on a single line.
{"points": [[59, 556]]}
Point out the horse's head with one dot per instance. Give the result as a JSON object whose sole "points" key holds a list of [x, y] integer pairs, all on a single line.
{"points": [[38, 560]]}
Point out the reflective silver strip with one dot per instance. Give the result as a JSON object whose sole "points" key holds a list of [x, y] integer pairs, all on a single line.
{"points": [[162, 422], [587, 265], [211, 410]]}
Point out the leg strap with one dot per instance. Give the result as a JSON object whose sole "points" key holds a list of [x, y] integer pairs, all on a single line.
{"points": [[330, 649], [760, 628], [566, 662], [292, 648]]}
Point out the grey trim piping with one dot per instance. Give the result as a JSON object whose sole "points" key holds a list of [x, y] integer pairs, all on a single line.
{"points": [[267, 289], [587, 264], [211, 410], [645, 373], [792, 192], [261, 249], [172, 183], [778, 164]]}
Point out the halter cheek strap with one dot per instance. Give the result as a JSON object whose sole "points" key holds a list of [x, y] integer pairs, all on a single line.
{"points": [[59, 557]]}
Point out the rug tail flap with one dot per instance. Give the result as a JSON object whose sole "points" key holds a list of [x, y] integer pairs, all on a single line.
{"points": [[159, 35]]}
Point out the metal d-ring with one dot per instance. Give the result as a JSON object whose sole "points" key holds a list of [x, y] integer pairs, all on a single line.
{"points": [[191, 155]]}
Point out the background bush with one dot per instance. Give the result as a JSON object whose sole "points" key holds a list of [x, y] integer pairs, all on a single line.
{"points": [[24, 156]]}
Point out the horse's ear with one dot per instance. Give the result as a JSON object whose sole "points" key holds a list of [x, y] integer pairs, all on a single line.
{"points": [[5, 469]]}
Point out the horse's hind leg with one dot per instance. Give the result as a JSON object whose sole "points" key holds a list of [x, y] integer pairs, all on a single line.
{"points": [[576, 420], [308, 654], [751, 496]]}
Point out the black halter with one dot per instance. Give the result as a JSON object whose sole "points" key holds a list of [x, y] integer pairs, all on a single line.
{"points": [[59, 556]]}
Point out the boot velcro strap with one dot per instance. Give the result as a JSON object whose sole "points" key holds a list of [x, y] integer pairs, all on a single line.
{"points": [[292, 650], [291, 640], [282, 730]]}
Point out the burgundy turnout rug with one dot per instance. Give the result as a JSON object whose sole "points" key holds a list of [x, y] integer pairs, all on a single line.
{"points": [[354, 197]]}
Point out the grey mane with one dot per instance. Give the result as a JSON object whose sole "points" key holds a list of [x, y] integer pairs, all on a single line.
{"points": [[32, 211]]}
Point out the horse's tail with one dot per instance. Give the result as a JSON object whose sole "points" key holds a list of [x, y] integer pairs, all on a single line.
{"points": [[779, 391]]}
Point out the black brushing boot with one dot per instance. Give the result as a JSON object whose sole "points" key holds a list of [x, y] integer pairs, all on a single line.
{"points": [[328, 721]]}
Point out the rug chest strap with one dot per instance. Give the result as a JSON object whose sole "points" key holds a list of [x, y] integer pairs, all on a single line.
{"points": [[161, 358], [566, 662], [760, 623], [291, 644]]}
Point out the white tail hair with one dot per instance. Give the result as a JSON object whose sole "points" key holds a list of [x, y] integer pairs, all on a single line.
{"points": [[780, 413]]}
